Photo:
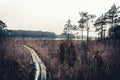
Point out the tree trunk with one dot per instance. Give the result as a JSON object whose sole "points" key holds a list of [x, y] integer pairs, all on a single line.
{"points": [[82, 36], [104, 34], [101, 33], [87, 35]]}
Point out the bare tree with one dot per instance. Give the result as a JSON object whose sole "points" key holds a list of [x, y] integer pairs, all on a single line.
{"points": [[100, 25], [82, 25], [2, 25], [85, 18], [89, 18], [68, 28], [3, 30]]}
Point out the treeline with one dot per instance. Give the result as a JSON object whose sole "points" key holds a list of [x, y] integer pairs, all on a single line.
{"points": [[110, 22], [33, 34], [4, 32]]}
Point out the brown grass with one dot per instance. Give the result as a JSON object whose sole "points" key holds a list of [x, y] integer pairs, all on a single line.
{"points": [[99, 62], [86, 66], [15, 63]]}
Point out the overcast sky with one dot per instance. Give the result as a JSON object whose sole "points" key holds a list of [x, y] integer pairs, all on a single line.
{"points": [[48, 15]]}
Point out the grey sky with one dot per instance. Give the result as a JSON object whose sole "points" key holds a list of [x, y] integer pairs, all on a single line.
{"points": [[48, 15]]}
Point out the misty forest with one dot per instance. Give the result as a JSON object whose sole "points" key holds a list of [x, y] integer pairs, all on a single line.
{"points": [[71, 55]]}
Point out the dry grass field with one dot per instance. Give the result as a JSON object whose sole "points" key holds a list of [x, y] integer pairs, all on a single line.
{"points": [[14, 61], [97, 61]]}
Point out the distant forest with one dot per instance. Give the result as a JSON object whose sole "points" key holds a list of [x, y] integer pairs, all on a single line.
{"points": [[33, 34]]}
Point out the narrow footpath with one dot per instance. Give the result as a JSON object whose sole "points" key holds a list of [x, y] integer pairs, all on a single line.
{"points": [[40, 68]]}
